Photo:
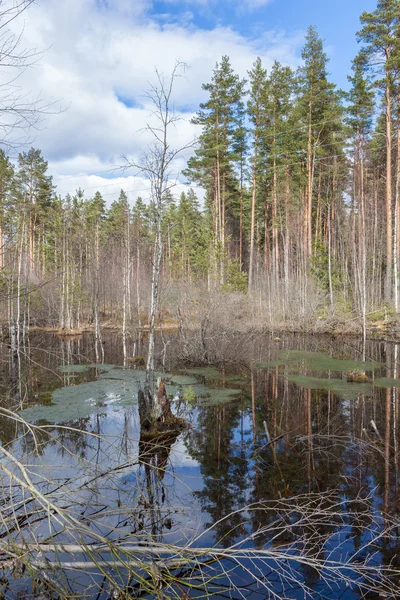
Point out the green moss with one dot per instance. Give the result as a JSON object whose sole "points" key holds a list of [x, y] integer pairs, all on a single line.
{"points": [[189, 395], [357, 377], [381, 314]]}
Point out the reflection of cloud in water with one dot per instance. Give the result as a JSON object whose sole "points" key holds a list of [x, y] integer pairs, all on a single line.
{"points": [[179, 456]]}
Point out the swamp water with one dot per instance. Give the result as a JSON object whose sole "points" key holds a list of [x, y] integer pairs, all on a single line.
{"points": [[284, 484]]}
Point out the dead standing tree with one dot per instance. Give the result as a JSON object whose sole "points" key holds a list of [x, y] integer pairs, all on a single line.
{"points": [[157, 165]]}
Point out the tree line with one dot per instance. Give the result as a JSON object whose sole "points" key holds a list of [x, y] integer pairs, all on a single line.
{"points": [[301, 188]]}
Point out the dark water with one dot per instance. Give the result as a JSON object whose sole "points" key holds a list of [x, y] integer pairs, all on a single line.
{"points": [[294, 476]]}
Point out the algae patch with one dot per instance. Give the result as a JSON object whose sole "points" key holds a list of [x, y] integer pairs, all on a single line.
{"points": [[387, 382], [183, 380], [213, 374], [114, 387], [220, 396], [318, 361], [75, 368], [117, 387], [341, 388]]}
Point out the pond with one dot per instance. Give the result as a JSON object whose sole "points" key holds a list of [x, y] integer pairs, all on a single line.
{"points": [[285, 483]]}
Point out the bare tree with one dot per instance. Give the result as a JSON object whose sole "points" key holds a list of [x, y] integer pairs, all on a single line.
{"points": [[156, 165]]}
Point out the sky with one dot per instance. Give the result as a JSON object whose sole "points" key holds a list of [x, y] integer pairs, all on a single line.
{"points": [[99, 57]]}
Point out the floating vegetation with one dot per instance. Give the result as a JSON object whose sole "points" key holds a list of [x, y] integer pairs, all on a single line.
{"points": [[318, 361], [209, 372], [213, 374], [75, 368], [355, 380], [114, 387], [80, 401], [189, 395], [387, 382], [344, 389], [220, 396], [117, 387], [183, 380]]}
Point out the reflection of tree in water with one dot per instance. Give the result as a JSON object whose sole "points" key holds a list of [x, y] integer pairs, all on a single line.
{"points": [[328, 444], [75, 441], [150, 516], [303, 459], [70, 440], [223, 466]]}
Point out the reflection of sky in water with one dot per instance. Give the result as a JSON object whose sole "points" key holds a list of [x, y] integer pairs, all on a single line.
{"points": [[215, 466], [118, 445]]}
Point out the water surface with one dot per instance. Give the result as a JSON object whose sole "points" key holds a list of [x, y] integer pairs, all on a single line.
{"points": [[293, 450]]}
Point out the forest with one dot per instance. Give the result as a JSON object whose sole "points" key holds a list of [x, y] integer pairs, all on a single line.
{"points": [[299, 220], [199, 390]]}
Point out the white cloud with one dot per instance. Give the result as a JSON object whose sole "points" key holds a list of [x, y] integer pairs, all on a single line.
{"points": [[101, 57], [240, 6], [90, 174]]}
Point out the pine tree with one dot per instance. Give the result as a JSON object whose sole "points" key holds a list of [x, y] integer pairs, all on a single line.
{"points": [[36, 195], [116, 217], [360, 118], [281, 87], [314, 100], [213, 164], [189, 240], [380, 53], [257, 107]]}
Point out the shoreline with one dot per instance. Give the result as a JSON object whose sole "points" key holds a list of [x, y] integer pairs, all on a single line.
{"points": [[388, 331]]}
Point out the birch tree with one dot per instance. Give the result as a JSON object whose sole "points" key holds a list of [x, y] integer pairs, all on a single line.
{"points": [[157, 164]]}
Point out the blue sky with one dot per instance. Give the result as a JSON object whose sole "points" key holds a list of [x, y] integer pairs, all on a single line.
{"points": [[337, 22], [101, 56]]}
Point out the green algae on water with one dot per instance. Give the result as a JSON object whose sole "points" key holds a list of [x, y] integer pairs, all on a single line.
{"points": [[341, 388], [213, 374], [183, 380], [75, 368], [219, 396], [116, 387], [318, 361], [386, 382], [111, 389]]}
